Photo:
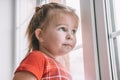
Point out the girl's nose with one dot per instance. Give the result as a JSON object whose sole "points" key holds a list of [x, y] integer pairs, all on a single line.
{"points": [[69, 36]]}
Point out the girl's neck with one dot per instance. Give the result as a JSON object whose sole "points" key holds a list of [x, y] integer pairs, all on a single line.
{"points": [[45, 51]]}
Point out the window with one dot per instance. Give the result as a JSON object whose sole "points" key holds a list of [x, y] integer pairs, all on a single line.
{"points": [[114, 35], [24, 11]]}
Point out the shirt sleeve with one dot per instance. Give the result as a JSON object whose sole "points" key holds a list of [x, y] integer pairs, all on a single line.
{"points": [[33, 63]]}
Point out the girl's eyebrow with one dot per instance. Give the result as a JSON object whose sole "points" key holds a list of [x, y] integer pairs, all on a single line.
{"points": [[76, 27], [62, 24]]}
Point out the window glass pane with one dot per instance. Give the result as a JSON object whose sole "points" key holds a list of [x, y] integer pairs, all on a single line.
{"points": [[115, 37], [116, 9], [116, 43], [117, 50], [116, 40], [76, 56], [24, 12]]}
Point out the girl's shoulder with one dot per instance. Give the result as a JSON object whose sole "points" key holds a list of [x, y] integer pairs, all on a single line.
{"points": [[40, 55], [34, 58], [33, 63], [36, 54]]}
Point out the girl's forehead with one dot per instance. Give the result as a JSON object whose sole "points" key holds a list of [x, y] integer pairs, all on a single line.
{"points": [[60, 13], [62, 17]]}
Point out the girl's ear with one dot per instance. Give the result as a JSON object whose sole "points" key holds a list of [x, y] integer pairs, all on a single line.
{"points": [[38, 34]]}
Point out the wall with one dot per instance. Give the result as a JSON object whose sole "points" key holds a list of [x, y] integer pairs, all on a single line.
{"points": [[6, 39]]}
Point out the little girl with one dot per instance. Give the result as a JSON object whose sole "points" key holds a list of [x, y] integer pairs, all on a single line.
{"points": [[51, 33]]}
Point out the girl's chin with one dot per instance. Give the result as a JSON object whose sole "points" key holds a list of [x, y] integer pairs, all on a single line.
{"points": [[64, 53]]}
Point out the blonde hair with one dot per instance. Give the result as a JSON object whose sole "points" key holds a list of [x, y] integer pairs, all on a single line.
{"points": [[41, 18]]}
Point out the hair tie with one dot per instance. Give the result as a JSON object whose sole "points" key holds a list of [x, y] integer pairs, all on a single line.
{"points": [[37, 9]]}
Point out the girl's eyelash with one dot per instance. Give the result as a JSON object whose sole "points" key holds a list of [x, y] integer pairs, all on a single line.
{"points": [[62, 28], [74, 31]]}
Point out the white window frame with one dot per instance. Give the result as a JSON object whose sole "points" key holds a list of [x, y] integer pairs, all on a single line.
{"points": [[90, 53], [95, 40], [103, 42]]}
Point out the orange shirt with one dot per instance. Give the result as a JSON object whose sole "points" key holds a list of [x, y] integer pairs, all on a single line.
{"points": [[43, 67]]}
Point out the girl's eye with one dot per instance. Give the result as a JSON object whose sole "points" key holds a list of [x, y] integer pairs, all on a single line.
{"points": [[73, 31], [62, 29]]}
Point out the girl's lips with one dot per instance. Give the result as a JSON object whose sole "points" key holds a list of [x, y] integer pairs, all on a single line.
{"points": [[69, 45]]}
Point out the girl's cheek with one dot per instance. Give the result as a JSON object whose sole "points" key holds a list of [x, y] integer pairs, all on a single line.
{"points": [[75, 41]]}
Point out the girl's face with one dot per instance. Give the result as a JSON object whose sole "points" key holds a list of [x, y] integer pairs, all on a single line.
{"points": [[59, 37]]}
